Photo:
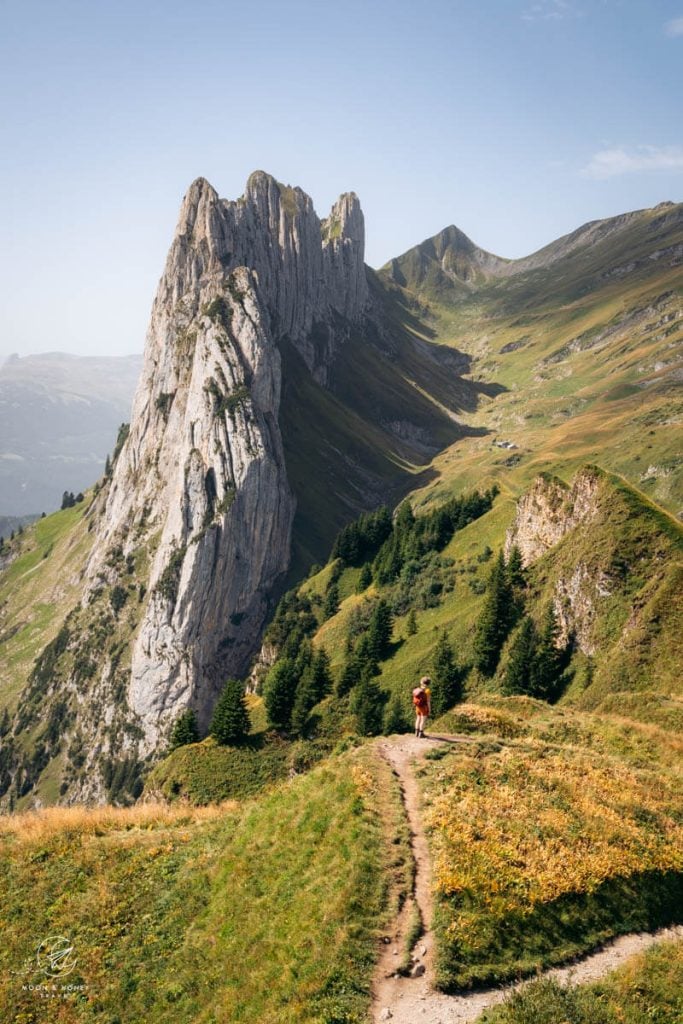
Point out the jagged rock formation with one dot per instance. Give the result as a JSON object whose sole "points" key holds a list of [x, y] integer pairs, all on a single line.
{"points": [[600, 553], [201, 478], [546, 514], [271, 372], [310, 273]]}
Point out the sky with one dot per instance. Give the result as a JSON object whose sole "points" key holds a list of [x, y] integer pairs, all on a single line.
{"points": [[516, 120]]}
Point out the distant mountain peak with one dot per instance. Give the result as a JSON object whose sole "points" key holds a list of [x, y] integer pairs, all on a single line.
{"points": [[448, 262]]}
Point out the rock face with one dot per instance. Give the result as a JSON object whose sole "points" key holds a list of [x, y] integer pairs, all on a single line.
{"points": [[545, 515], [310, 273], [548, 511], [200, 485]]}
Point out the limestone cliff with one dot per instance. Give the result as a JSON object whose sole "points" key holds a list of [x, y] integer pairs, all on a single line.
{"points": [[192, 529], [548, 511], [546, 514], [201, 478]]}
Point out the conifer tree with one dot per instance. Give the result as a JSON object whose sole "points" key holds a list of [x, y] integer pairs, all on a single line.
{"points": [[185, 729], [367, 704], [495, 621], [366, 656], [331, 606], [320, 674], [350, 675], [304, 702], [230, 722], [395, 717], [515, 569], [365, 578], [519, 674], [548, 660], [380, 629], [279, 691], [446, 677]]}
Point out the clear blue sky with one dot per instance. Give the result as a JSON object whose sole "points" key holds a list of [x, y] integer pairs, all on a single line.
{"points": [[517, 120]]}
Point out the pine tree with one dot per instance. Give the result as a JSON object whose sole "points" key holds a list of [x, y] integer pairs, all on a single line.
{"points": [[446, 678], [367, 704], [519, 674], [320, 674], [366, 656], [304, 702], [230, 722], [548, 660], [411, 623], [365, 579], [279, 691], [107, 467], [495, 621], [185, 729], [515, 569], [380, 629], [331, 606], [350, 675], [395, 717]]}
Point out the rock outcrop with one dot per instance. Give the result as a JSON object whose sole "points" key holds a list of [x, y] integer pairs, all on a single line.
{"points": [[545, 515], [199, 493], [548, 511]]}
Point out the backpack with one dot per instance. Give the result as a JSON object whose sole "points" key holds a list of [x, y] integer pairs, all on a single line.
{"points": [[420, 699]]}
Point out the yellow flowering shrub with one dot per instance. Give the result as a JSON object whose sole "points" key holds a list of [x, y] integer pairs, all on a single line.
{"points": [[526, 834]]}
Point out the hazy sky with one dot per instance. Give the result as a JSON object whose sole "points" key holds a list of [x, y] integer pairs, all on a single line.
{"points": [[516, 120]]}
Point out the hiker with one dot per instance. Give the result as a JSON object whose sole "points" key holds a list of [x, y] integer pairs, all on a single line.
{"points": [[423, 705]]}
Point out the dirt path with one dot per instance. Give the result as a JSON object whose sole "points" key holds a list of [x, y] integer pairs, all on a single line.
{"points": [[407, 1000]]}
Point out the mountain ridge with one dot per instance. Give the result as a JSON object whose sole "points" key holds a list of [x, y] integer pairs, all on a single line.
{"points": [[277, 403], [450, 264]]}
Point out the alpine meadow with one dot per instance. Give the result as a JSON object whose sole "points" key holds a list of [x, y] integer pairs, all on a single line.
{"points": [[335, 482]]}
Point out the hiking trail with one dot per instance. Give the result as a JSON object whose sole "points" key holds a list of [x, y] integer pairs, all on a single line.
{"points": [[411, 999]]}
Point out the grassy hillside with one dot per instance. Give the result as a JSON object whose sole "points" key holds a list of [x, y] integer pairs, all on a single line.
{"points": [[39, 583], [263, 911], [588, 352], [616, 577], [551, 832]]}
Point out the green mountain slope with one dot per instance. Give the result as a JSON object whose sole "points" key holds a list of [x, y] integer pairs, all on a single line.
{"points": [[585, 340], [612, 574]]}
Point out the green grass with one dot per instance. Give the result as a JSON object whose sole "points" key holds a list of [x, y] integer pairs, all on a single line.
{"points": [[270, 911], [37, 589], [647, 990], [205, 773]]}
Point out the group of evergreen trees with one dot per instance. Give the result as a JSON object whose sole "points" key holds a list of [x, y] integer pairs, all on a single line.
{"points": [[500, 612], [294, 686], [230, 723], [536, 663], [380, 547], [413, 536], [69, 500]]}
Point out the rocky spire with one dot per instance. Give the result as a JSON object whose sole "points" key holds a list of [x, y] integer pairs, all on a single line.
{"points": [[199, 492]]}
